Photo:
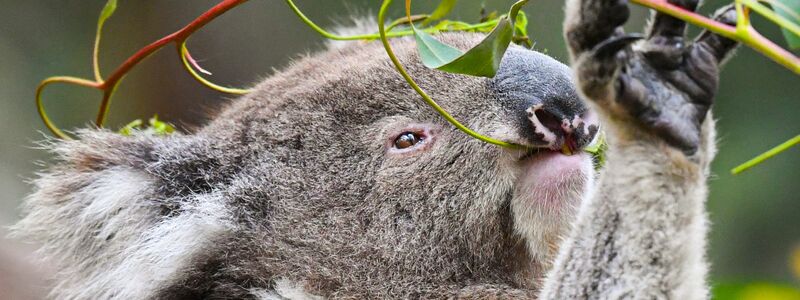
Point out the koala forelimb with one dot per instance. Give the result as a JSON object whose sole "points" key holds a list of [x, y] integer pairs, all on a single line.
{"points": [[641, 234]]}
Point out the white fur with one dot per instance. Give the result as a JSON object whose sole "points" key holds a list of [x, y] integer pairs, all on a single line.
{"points": [[167, 250], [285, 290], [362, 25], [118, 251]]}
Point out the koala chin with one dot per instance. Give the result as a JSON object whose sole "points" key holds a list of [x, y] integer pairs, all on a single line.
{"points": [[546, 198], [333, 179]]}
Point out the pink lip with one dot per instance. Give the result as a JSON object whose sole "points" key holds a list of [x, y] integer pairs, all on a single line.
{"points": [[548, 173]]}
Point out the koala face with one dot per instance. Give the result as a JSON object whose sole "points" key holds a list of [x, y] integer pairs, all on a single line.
{"points": [[333, 175], [343, 170]]}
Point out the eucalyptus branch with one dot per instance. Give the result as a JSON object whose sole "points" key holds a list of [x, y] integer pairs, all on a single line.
{"points": [[177, 37], [743, 32], [109, 85], [771, 15], [186, 58], [40, 107], [107, 11], [766, 155], [180, 37], [405, 20], [388, 34], [747, 35]]}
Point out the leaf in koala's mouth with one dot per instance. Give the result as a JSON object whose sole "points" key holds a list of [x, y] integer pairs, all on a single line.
{"points": [[597, 148], [565, 149]]}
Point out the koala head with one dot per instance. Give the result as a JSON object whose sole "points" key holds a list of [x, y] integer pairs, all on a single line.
{"points": [[336, 175]]}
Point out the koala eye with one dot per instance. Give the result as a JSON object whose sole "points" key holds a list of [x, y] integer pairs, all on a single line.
{"points": [[407, 139], [410, 139]]}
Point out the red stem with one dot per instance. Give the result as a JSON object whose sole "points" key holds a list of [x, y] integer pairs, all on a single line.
{"points": [[223, 6], [179, 36], [750, 38], [692, 17]]}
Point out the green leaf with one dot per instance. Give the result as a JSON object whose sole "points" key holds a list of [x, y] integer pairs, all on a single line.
{"points": [[130, 127], [441, 11], [159, 127], [450, 25], [106, 13], [156, 127], [482, 60], [434, 53], [789, 9], [597, 149], [521, 30], [521, 24]]}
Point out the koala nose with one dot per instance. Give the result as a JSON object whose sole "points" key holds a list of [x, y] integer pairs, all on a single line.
{"points": [[557, 129], [538, 94]]}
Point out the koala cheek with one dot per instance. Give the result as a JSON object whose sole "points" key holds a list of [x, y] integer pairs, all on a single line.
{"points": [[546, 197]]}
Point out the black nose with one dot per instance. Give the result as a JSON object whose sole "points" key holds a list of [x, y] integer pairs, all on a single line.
{"points": [[556, 129], [544, 108]]}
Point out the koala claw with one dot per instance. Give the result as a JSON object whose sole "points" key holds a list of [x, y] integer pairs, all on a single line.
{"points": [[664, 85], [721, 47], [611, 46]]}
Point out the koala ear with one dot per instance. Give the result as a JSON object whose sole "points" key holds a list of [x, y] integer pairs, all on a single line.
{"points": [[87, 200], [100, 217], [356, 25]]}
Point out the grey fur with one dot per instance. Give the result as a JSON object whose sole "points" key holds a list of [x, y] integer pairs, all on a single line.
{"points": [[291, 193]]}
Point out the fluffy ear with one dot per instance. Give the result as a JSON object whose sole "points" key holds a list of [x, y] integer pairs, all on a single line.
{"points": [[103, 223], [353, 26]]}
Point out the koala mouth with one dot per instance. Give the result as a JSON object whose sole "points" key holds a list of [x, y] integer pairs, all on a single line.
{"points": [[554, 175], [547, 174], [595, 148]]}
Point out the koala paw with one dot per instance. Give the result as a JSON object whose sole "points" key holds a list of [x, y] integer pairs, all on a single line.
{"points": [[659, 81]]}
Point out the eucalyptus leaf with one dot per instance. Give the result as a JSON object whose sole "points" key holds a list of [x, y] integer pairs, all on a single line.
{"points": [[159, 127], [597, 149], [481, 60], [521, 24], [156, 127], [106, 13], [789, 9], [521, 31], [130, 127], [434, 53]]}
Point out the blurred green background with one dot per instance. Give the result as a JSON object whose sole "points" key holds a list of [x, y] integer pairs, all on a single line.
{"points": [[755, 215]]}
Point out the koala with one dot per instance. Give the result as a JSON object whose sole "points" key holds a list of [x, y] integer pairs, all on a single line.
{"points": [[334, 180]]}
